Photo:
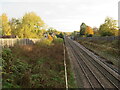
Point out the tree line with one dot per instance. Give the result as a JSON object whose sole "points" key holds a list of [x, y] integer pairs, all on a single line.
{"points": [[32, 26], [29, 26], [108, 28]]}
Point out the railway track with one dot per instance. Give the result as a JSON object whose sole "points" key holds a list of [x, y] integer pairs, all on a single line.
{"points": [[96, 75]]}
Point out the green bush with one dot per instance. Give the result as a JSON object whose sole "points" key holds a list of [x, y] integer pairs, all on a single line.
{"points": [[7, 58], [44, 42], [58, 40], [12, 69], [6, 54]]}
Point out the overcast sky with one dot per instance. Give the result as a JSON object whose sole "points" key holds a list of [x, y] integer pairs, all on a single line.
{"points": [[63, 15]]}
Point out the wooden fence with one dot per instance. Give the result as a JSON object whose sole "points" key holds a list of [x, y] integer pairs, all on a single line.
{"points": [[12, 42], [108, 38]]}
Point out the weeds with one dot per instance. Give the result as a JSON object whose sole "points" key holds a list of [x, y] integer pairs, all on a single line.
{"points": [[70, 74], [58, 40], [105, 49], [34, 66]]}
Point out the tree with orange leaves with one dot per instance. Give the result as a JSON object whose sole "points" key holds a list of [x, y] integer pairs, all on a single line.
{"points": [[89, 31], [49, 37]]}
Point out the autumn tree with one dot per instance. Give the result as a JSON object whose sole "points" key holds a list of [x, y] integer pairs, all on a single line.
{"points": [[109, 27], [52, 31], [49, 37], [31, 26], [6, 30], [15, 25], [86, 30], [89, 31]]}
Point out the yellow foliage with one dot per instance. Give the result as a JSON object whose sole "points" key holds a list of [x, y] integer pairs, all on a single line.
{"points": [[6, 30], [117, 32], [50, 38], [89, 30]]}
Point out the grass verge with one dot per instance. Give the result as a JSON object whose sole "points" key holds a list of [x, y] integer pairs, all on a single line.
{"points": [[106, 49]]}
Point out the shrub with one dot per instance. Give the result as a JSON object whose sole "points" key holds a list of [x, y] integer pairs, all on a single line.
{"points": [[58, 40], [6, 54], [7, 58], [44, 42], [33, 66]]}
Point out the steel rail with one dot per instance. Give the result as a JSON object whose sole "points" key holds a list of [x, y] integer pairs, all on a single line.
{"points": [[88, 69], [116, 79]]}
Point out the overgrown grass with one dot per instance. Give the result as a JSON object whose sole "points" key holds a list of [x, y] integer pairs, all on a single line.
{"points": [[58, 40], [105, 49], [34, 66]]}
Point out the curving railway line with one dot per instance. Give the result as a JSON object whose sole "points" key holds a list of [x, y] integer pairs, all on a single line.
{"points": [[90, 71]]}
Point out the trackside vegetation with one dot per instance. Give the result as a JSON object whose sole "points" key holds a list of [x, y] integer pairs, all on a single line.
{"points": [[35, 66], [106, 49]]}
